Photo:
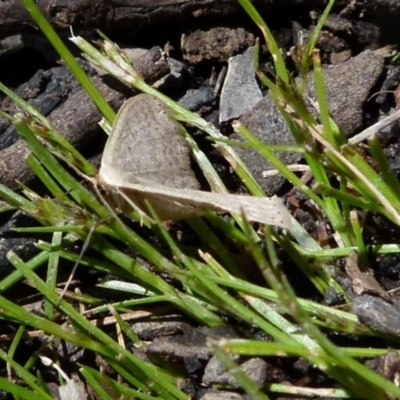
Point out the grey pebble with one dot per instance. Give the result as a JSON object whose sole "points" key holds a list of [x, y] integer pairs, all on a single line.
{"points": [[195, 98], [240, 92], [255, 368]]}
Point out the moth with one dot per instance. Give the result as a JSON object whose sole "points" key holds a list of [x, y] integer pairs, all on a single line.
{"points": [[146, 159]]}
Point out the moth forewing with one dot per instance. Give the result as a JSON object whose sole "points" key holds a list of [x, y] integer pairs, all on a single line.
{"points": [[176, 204], [147, 143], [146, 159]]}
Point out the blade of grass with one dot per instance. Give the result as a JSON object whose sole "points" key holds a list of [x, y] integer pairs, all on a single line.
{"points": [[249, 386], [76, 190], [69, 60], [273, 47], [359, 379], [222, 298], [108, 346], [51, 276], [94, 380], [19, 392], [25, 375], [383, 164]]}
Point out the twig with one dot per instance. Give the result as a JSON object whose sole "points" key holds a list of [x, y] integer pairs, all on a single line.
{"points": [[375, 128]]}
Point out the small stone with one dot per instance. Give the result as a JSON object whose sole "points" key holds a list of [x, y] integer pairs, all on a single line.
{"points": [[255, 368], [267, 124], [342, 56], [347, 87], [219, 395], [196, 98], [240, 92]]}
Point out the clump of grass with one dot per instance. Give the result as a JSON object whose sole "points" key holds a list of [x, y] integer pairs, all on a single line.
{"points": [[212, 284]]}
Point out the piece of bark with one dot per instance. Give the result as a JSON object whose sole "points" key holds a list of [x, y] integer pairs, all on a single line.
{"points": [[125, 14], [192, 343], [150, 330], [387, 365], [77, 118], [109, 15], [377, 314], [363, 280], [128, 14], [215, 44], [45, 91]]}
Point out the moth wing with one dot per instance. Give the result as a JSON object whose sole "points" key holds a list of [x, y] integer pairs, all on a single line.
{"points": [[180, 204], [147, 143]]}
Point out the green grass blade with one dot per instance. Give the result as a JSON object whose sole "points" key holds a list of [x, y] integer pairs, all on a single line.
{"points": [[69, 60]]}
